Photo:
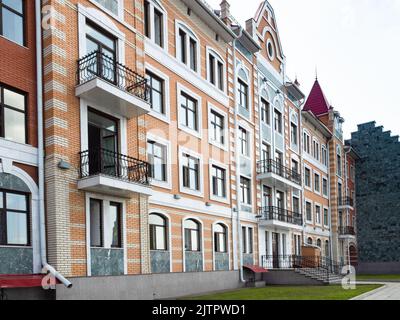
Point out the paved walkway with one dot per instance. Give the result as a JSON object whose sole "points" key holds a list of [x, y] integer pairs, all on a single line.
{"points": [[390, 291]]}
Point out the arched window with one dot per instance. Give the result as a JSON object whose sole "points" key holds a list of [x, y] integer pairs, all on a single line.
{"points": [[192, 235], [188, 47], [309, 241], [319, 243], [220, 238], [155, 22], [158, 232], [243, 90], [14, 211]]}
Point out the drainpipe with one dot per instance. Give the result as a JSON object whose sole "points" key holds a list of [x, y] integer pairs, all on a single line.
{"points": [[347, 210], [239, 231], [42, 220]]}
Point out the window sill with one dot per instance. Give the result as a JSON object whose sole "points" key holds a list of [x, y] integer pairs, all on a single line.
{"points": [[14, 42], [191, 192]]}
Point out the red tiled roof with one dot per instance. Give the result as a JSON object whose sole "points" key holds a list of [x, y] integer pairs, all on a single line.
{"points": [[317, 102], [256, 269]]}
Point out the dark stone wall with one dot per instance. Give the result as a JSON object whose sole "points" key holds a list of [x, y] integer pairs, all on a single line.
{"points": [[107, 262], [377, 194], [16, 260], [160, 261]]}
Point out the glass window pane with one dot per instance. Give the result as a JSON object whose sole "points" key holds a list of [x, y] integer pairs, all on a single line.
{"points": [[160, 237], [101, 37], [1, 200], [14, 99], [14, 4], [156, 219], [195, 241], [91, 46], [95, 223], [13, 26], [114, 225], [17, 232], [16, 202]]}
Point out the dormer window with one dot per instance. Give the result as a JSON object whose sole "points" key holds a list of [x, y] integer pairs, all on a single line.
{"points": [[155, 22], [187, 47]]}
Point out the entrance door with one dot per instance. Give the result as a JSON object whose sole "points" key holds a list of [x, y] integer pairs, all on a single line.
{"points": [[275, 250], [103, 144]]}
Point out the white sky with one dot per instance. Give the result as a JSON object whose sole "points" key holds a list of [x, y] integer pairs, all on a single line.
{"points": [[355, 46]]}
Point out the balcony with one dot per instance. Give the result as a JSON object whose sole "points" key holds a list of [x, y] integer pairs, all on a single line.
{"points": [[277, 175], [278, 217], [346, 232], [111, 173], [107, 83], [345, 203]]}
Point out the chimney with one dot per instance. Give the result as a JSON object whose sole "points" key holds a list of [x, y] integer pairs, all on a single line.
{"points": [[226, 12]]}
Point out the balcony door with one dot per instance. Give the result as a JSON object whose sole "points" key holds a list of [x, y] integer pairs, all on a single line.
{"points": [[275, 250], [103, 143], [103, 47]]}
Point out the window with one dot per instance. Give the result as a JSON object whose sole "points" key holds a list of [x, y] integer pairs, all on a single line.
{"points": [[157, 157], [243, 94], [309, 241], [111, 5], [295, 166], [352, 173], [265, 152], [215, 70], [324, 156], [12, 20], [157, 92], [265, 112], [244, 240], [267, 196], [244, 142], [308, 211], [307, 177], [188, 48], [154, 23], [12, 115], [316, 151], [294, 133], [220, 238], [218, 182], [217, 127], [297, 246], [318, 214], [14, 218], [319, 243], [306, 143], [278, 121], [188, 112], [158, 232], [340, 192], [105, 227], [250, 236], [245, 190], [339, 162], [280, 198], [192, 235], [296, 205], [326, 217], [191, 172], [327, 253], [325, 187], [317, 180]]}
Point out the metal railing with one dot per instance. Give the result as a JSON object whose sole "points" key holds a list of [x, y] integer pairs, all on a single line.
{"points": [[99, 65], [347, 231], [324, 268], [345, 201], [272, 166], [113, 164], [279, 214]]}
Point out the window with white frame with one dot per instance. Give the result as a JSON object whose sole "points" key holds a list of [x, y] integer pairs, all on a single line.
{"points": [[324, 156], [244, 142], [295, 166], [243, 94], [154, 22], [192, 233], [265, 112], [294, 133], [188, 47], [308, 211], [307, 177], [191, 172], [278, 121], [188, 112], [265, 152], [306, 142], [218, 181], [296, 204], [325, 187], [220, 238], [157, 92], [326, 217], [158, 229], [318, 214], [215, 69], [217, 127], [110, 5], [339, 161], [157, 157], [317, 183], [316, 151], [245, 190]]}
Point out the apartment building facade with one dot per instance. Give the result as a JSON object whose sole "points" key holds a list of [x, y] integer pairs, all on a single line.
{"points": [[175, 145]]}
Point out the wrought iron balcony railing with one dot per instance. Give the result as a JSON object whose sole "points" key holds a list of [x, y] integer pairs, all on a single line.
{"points": [[113, 164], [274, 213], [345, 201], [347, 231], [99, 65], [272, 166]]}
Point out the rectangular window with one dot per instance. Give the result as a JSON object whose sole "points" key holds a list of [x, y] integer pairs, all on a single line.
{"points": [[147, 26], [294, 133], [318, 214], [278, 121], [211, 68], [296, 205], [324, 156], [156, 85], [244, 240], [113, 231], [12, 20], [158, 27], [245, 190], [12, 115], [265, 152], [220, 70], [14, 219], [306, 143], [326, 217], [96, 223], [250, 236], [339, 164], [325, 187], [316, 151], [215, 71], [267, 196], [307, 177], [218, 182], [191, 172], [188, 112], [157, 157], [111, 5], [295, 166], [244, 142], [182, 40], [308, 211], [243, 92], [217, 127], [317, 187], [265, 112], [193, 54]]}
